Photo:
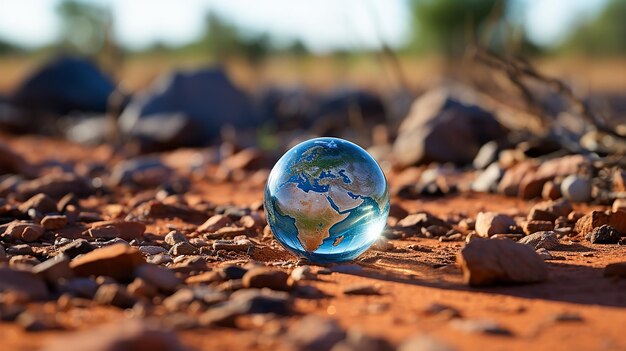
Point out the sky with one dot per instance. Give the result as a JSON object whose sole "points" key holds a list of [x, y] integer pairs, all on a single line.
{"points": [[323, 25]]}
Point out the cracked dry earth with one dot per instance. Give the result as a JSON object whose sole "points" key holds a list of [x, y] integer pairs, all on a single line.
{"points": [[174, 255]]}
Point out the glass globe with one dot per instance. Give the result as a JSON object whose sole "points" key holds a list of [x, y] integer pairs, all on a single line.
{"points": [[326, 200]]}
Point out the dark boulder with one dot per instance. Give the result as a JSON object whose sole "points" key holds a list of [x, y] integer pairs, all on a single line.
{"points": [[188, 109], [442, 128], [64, 85]]}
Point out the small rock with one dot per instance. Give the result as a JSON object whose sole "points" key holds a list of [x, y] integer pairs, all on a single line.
{"points": [[490, 223], [303, 273], [114, 295], [486, 262], [124, 335], [117, 229], [424, 343], [159, 259], [214, 223], [567, 317], [361, 289], [266, 278], [163, 278], [313, 333], [615, 270], [231, 272], [541, 240], [534, 226], [576, 188], [54, 269], [52, 222], [42, 203], [550, 210], [117, 261], [24, 231], [595, 219], [22, 282], [446, 311], [619, 204], [175, 237], [152, 250], [544, 254], [76, 247], [254, 301], [183, 248], [232, 245], [604, 234], [480, 326], [82, 287], [551, 191]]}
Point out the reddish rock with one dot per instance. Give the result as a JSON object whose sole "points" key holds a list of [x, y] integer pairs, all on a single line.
{"points": [[24, 231], [53, 222], [490, 223], [619, 204], [214, 223], [537, 226], [596, 219], [550, 210], [488, 261], [551, 191], [40, 202], [619, 180], [510, 182], [11, 162], [117, 261], [55, 185], [22, 282], [532, 183], [157, 209], [266, 278], [117, 229]]}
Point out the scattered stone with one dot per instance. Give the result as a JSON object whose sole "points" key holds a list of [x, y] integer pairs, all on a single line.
{"points": [[23, 282], [480, 327], [424, 343], [313, 333], [53, 222], [117, 229], [487, 180], [117, 261], [175, 237], [421, 220], [183, 248], [254, 301], [163, 278], [24, 231], [114, 295], [550, 210], [551, 191], [152, 250], [42, 203], [619, 204], [595, 219], [54, 269], [241, 244], [125, 335], [615, 270], [486, 262], [604, 234], [159, 259], [231, 272], [541, 240], [55, 185], [576, 188], [532, 183], [534, 226], [20, 249], [490, 223], [76, 247], [266, 278], [358, 341], [214, 223], [361, 289]]}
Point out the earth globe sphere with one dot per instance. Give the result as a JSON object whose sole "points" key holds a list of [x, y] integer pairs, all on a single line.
{"points": [[326, 200]]}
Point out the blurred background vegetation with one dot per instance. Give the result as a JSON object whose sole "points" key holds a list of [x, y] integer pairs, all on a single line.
{"points": [[436, 28]]}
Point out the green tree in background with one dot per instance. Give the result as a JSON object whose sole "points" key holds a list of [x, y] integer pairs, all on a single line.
{"points": [[83, 26], [603, 35], [446, 26]]}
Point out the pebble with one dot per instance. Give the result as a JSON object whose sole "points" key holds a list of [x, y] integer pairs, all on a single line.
{"points": [[117, 261], [424, 343], [52, 222], [303, 273], [76, 247], [253, 301], [604, 234], [490, 223], [159, 259], [162, 278], [481, 326], [183, 248], [124, 335], [54, 269], [174, 237], [266, 278], [214, 223], [152, 250], [114, 295], [232, 245], [126, 230], [82, 287], [232, 272], [24, 231], [313, 333], [541, 240], [361, 289], [23, 282], [576, 188], [534, 226], [488, 261], [42, 203]]}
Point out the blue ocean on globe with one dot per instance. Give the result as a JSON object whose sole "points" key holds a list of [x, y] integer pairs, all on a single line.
{"points": [[326, 200]]}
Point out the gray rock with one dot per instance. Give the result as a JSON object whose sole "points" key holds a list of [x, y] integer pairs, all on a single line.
{"points": [[183, 248], [152, 250], [488, 179], [442, 128], [576, 188], [604, 234], [174, 237], [313, 333], [487, 154], [546, 240]]}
